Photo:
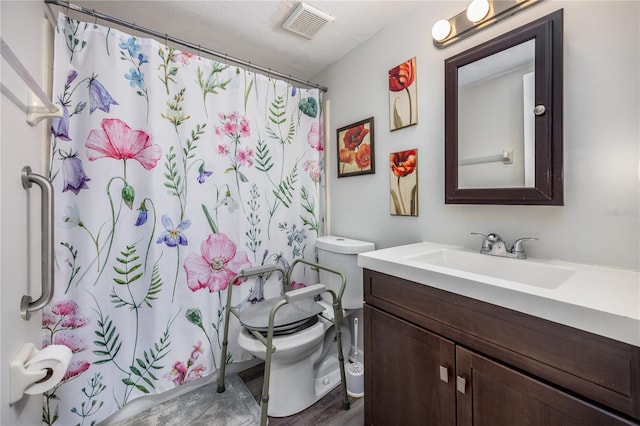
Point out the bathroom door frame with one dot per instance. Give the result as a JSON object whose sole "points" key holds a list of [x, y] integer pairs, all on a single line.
{"points": [[28, 34]]}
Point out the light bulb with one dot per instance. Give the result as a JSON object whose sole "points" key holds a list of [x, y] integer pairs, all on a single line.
{"points": [[441, 30], [477, 10]]}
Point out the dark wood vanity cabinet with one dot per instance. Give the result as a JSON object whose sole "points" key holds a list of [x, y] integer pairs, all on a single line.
{"points": [[402, 373], [437, 358]]}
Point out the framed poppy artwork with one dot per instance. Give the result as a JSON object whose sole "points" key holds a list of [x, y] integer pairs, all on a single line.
{"points": [[404, 182], [403, 95], [355, 149]]}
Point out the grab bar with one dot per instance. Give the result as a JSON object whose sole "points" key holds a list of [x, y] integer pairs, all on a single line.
{"points": [[27, 304], [505, 158]]}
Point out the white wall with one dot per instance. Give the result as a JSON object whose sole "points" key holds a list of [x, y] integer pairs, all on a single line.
{"points": [[23, 28], [600, 221], [492, 113]]}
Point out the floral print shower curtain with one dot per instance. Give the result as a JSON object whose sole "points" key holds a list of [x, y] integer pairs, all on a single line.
{"points": [[171, 173]]}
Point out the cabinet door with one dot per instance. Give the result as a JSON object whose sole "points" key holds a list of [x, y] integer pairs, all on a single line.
{"points": [[409, 373], [491, 394]]}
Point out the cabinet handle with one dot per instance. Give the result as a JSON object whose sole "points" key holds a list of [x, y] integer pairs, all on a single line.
{"points": [[444, 374], [461, 384]]}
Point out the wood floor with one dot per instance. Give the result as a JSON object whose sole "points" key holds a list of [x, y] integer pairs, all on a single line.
{"points": [[326, 412]]}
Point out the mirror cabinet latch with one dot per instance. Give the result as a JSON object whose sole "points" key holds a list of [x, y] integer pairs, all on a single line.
{"points": [[539, 110]]}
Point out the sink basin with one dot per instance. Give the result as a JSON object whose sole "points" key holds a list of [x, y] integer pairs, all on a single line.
{"points": [[593, 298], [522, 271]]}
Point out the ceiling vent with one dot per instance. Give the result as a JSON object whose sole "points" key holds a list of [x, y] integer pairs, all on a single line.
{"points": [[306, 20]]}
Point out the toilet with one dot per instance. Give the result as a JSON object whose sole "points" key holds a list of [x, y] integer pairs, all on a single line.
{"points": [[305, 366]]}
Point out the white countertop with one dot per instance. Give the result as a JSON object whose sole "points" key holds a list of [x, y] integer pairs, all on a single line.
{"points": [[600, 300]]}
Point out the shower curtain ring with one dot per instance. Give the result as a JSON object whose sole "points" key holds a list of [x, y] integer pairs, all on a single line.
{"points": [[198, 50], [166, 38], [134, 31], [68, 4], [95, 19]]}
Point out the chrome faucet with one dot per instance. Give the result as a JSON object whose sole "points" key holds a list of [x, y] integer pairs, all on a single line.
{"points": [[494, 245]]}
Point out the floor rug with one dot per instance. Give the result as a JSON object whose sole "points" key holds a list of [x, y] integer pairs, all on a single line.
{"points": [[204, 407]]}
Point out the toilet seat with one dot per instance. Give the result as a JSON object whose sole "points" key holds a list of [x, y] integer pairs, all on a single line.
{"points": [[290, 318], [288, 328], [307, 338]]}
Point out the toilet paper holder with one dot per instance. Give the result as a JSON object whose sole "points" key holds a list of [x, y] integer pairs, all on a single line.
{"points": [[34, 371]]}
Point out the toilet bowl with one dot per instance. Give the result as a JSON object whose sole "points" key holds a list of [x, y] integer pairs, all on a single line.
{"points": [[305, 365]]}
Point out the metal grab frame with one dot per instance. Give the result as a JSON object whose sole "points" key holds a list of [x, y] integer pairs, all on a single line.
{"points": [[27, 304], [289, 297]]}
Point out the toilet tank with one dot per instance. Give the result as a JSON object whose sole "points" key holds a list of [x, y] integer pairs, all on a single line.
{"points": [[341, 254]]}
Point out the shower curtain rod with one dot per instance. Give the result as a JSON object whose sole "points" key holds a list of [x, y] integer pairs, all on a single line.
{"points": [[167, 37]]}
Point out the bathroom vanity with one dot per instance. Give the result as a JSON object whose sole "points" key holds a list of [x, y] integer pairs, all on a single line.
{"points": [[447, 346]]}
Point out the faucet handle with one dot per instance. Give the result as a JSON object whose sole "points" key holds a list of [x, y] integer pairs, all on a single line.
{"points": [[517, 248], [486, 246], [493, 237]]}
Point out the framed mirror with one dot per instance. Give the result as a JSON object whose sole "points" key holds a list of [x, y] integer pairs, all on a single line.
{"points": [[503, 118]]}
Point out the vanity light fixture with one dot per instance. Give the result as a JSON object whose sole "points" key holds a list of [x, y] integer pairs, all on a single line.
{"points": [[479, 14], [477, 10], [441, 30]]}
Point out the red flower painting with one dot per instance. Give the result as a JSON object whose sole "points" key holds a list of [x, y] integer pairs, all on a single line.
{"points": [[403, 95], [355, 149], [404, 182]]}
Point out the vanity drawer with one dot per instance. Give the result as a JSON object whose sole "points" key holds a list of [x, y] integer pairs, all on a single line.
{"points": [[603, 370]]}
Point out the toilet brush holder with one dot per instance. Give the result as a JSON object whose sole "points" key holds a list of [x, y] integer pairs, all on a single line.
{"points": [[355, 370], [355, 379]]}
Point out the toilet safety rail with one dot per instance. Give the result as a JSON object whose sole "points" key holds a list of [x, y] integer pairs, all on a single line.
{"points": [[290, 296], [27, 304]]}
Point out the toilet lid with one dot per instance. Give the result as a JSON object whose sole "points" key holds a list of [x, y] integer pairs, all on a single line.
{"points": [[289, 316]]}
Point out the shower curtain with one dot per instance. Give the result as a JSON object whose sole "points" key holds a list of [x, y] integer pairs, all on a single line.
{"points": [[171, 173]]}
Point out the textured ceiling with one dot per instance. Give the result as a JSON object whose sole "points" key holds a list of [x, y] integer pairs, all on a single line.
{"points": [[250, 30]]}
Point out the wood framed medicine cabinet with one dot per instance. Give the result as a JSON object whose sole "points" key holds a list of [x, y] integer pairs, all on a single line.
{"points": [[479, 110]]}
